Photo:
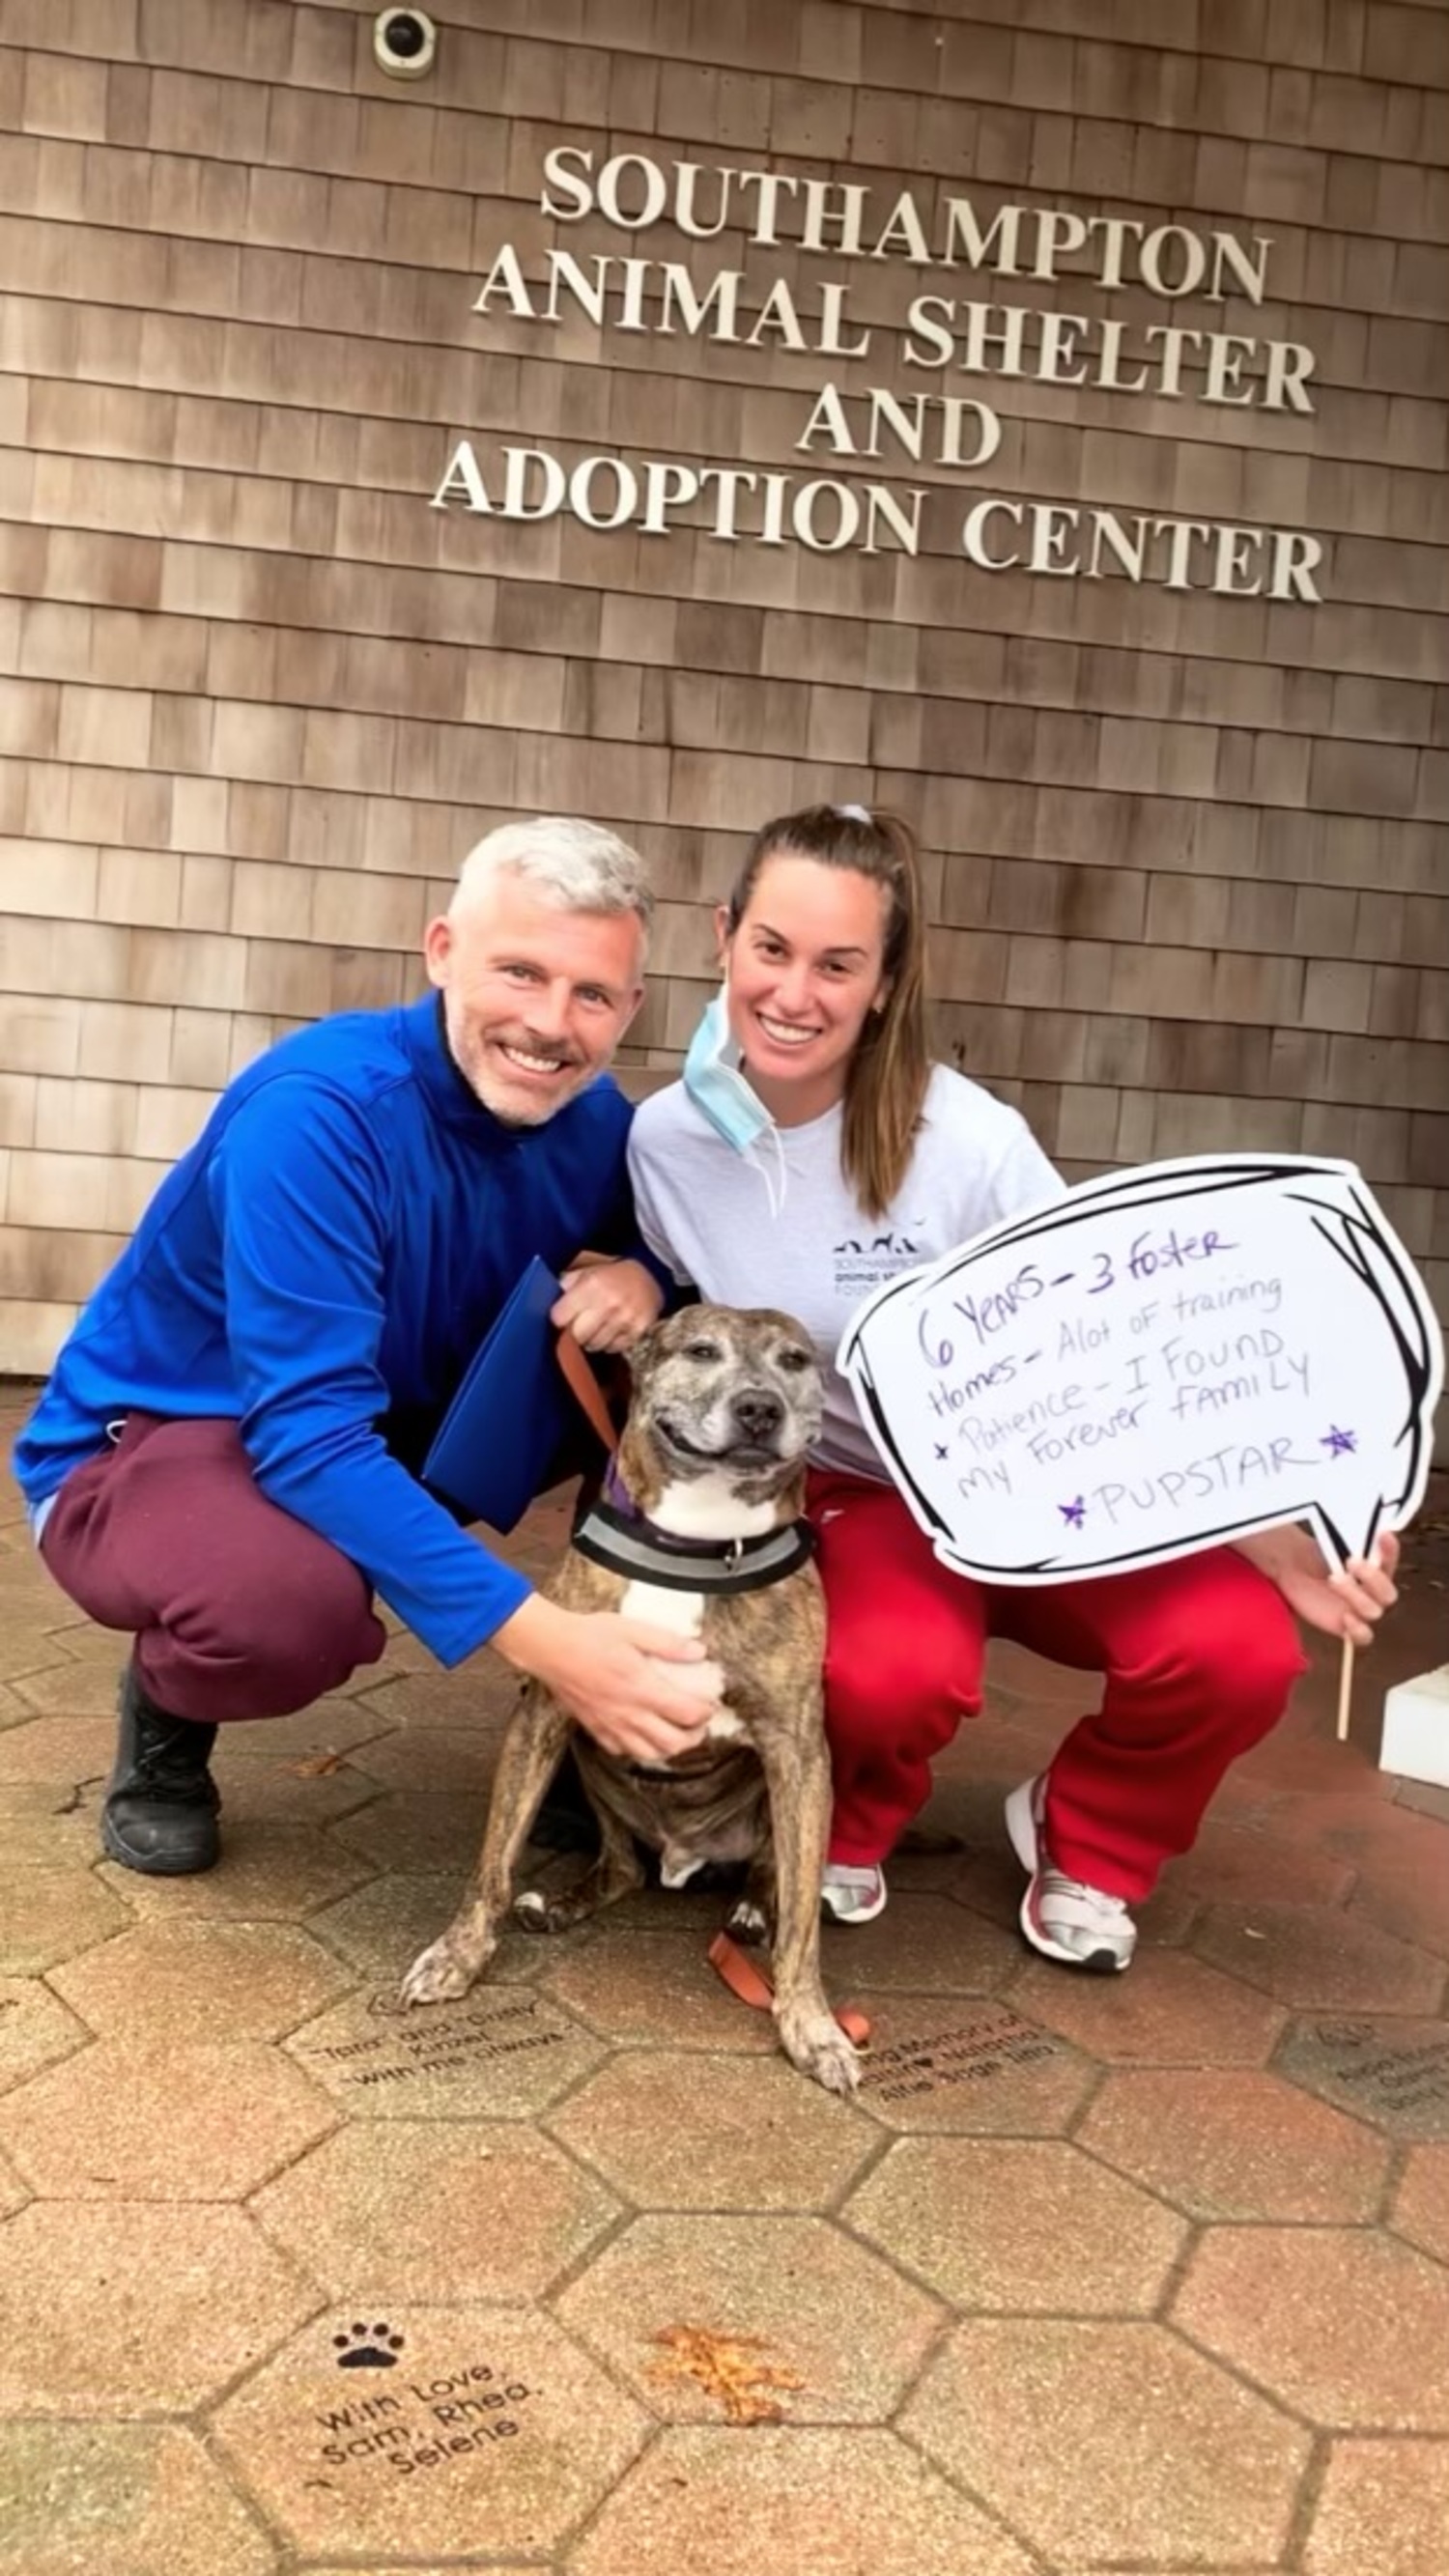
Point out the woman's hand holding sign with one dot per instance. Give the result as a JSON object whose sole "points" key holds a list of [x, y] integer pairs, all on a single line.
{"points": [[1344, 1604]]}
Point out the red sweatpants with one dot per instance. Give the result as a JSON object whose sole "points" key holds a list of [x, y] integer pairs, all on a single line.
{"points": [[1199, 1659], [237, 1609]]}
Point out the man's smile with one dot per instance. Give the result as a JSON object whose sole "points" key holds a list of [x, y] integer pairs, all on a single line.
{"points": [[532, 1060]]}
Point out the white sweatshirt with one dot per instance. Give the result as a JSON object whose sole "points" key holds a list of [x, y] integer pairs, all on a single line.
{"points": [[783, 1229]]}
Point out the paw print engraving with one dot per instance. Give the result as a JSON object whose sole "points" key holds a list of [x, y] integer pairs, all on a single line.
{"points": [[367, 2348]]}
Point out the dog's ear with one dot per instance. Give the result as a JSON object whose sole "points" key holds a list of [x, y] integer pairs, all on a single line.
{"points": [[640, 1352]]}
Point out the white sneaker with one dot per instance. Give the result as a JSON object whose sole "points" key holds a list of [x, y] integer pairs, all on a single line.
{"points": [[853, 1895], [1063, 1917]]}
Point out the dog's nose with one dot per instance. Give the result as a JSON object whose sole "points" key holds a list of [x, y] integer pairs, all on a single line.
{"points": [[758, 1413]]}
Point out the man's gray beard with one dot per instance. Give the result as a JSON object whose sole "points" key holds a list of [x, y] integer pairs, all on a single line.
{"points": [[512, 1115]]}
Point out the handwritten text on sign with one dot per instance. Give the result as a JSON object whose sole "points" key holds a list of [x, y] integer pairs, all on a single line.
{"points": [[1153, 1364]]}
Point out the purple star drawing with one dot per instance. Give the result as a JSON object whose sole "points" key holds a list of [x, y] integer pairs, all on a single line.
{"points": [[940, 1448], [1074, 1514], [1339, 1444]]}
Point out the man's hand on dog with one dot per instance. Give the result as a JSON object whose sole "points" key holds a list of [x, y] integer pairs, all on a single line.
{"points": [[606, 1304], [642, 1692]]}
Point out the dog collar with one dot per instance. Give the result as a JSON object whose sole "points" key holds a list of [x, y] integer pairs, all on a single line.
{"points": [[630, 1545]]}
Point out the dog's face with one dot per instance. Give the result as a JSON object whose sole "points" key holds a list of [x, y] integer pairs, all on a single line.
{"points": [[725, 1392]]}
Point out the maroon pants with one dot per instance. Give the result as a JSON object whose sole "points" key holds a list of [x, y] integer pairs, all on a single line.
{"points": [[237, 1609]]}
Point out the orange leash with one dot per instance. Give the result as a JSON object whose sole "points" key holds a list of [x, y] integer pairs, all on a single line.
{"points": [[746, 1978], [586, 1391]]}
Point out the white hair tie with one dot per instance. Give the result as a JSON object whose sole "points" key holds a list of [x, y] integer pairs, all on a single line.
{"points": [[855, 814]]}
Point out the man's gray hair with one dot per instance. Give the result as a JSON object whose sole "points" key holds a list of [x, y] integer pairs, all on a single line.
{"points": [[579, 866]]}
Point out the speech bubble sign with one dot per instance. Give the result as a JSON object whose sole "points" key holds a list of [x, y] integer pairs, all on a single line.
{"points": [[1156, 1362]]}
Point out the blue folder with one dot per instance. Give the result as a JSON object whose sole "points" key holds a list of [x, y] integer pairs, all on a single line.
{"points": [[508, 1432]]}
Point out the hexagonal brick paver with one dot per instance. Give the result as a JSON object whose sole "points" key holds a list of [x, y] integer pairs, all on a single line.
{"points": [[60, 1752], [972, 2067], [1421, 2208], [133, 2121], [711, 2503], [503, 2052], [266, 1872], [1169, 2010], [47, 1915], [420, 1702], [637, 1987], [134, 2497], [1231, 1863], [932, 1856], [1384, 2505], [466, 2425], [439, 2209], [1350, 2329], [48, 1824], [314, 1790], [1235, 2144], [1365, 1822], [670, 1911], [13, 2193], [78, 1703], [752, 2319], [380, 1929], [129, 2307], [1103, 2443], [31, 1645], [338, 1724], [920, 1945], [1394, 2073], [35, 2030], [686, 2132], [1405, 1886], [1296, 1764], [1319, 1958], [199, 1979], [454, 1762], [417, 1829], [1028, 2224], [82, 1642]]}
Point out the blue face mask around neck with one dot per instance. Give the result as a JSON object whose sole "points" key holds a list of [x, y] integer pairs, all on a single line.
{"points": [[718, 1088], [715, 1084]]}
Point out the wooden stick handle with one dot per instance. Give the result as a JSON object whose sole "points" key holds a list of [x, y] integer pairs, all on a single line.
{"points": [[1345, 1689]]}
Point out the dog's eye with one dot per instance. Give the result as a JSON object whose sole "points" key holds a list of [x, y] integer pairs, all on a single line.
{"points": [[795, 1360], [703, 1352]]}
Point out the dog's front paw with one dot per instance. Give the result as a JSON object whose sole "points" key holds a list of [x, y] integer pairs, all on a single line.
{"points": [[534, 1911], [441, 1973], [541, 1909], [817, 2045], [748, 1923]]}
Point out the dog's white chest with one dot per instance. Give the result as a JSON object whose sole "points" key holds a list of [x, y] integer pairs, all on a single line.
{"points": [[663, 1607]]}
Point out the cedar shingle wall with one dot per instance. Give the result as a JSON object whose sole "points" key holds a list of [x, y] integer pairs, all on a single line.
{"points": [[1186, 852]]}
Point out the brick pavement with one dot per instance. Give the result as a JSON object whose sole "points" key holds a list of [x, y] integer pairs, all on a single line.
{"points": [[577, 2276]]}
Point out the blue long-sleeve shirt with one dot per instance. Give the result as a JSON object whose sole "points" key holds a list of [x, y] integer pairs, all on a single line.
{"points": [[320, 1267]]}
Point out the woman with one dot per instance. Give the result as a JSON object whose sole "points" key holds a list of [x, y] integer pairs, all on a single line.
{"points": [[812, 1150]]}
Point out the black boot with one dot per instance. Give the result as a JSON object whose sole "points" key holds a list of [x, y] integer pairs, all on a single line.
{"points": [[161, 1801]]}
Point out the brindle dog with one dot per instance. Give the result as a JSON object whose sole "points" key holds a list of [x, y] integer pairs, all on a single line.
{"points": [[699, 1530]]}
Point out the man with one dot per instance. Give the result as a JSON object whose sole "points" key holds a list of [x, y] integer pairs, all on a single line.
{"points": [[224, 1460]]}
